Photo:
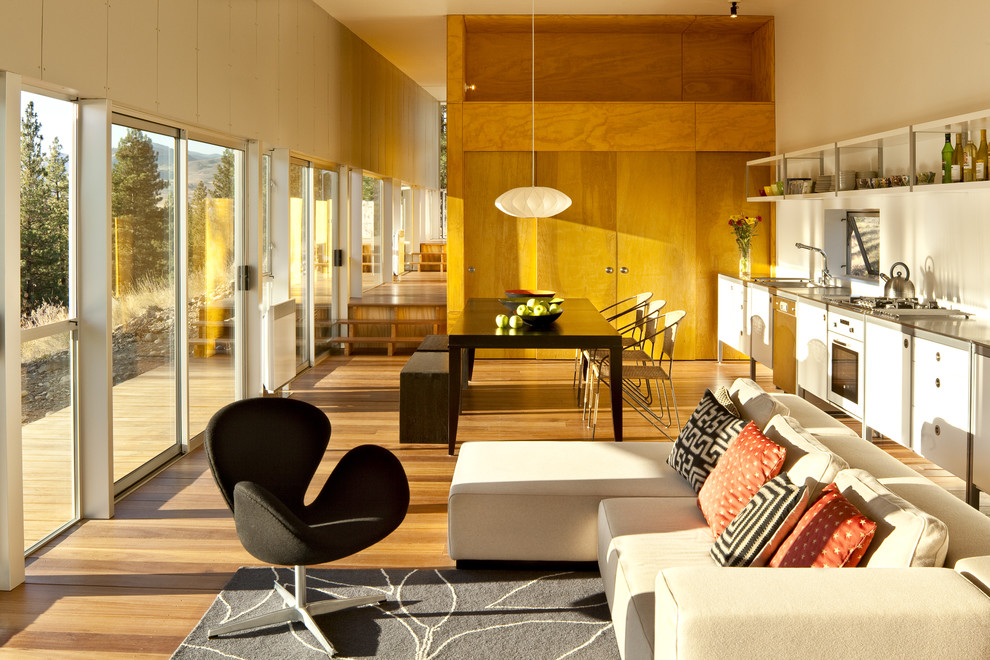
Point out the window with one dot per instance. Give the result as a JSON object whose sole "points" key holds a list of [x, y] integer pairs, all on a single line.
{"points": [[371, 232], [863, 245], [324, 218]]}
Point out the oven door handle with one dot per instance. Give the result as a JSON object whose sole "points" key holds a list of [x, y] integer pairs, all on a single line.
{"points": [[840, 343]]}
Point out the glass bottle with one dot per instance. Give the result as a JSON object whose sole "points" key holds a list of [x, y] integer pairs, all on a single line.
{"points": [[969, 158], [957, 159], [980, 169], [947, 159]]}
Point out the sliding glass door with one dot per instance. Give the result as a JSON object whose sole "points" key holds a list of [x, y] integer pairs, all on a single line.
{"points": [[213, 217], [143, 297], [324, 218], [48, 329], [300, 195]]}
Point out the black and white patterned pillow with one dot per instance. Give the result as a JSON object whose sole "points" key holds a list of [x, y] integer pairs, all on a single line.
{"points": [[722, 395], [703, 440], [762, 524]]}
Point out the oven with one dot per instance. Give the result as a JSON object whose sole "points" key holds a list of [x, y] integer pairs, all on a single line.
{"points": [[845, 361]]}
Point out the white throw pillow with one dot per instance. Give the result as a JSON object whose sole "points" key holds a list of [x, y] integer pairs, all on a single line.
{"points": [[808, 462], [754, 404]]}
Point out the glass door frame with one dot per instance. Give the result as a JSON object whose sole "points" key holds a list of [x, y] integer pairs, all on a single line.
{"points": [[70, 324]]}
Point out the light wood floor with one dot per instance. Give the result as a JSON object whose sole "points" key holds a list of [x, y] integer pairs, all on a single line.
{"points": [[134, 586]]}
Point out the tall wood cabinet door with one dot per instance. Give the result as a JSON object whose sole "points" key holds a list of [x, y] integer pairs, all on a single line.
{"points": [[576, 248], [720, 193], [655, 232], [499, 250]]}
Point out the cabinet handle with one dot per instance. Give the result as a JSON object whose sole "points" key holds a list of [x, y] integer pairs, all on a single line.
{"points": [[938, 430], [905, 342], [938, 356], [938, 383], [623, 270], [608, 269]]}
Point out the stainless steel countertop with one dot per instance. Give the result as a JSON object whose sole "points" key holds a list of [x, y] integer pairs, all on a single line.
{"points": [[973, 329]]}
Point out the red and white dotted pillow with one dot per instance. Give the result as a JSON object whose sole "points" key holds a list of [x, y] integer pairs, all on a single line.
{"points": [[750, 461], [832, 533]]}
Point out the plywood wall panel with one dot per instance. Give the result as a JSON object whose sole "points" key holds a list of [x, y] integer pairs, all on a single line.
{"points": [[718, 67], [655, 207], [289, 77], [721, 176], [177, 65], [580, 126], [306, 47], [20, 37], [266, 104], [735, 127], [455, 59], [245, 71], [605, 66], [132, 63], [74, 48], [321, 77], [213, 66], [763, 63]]}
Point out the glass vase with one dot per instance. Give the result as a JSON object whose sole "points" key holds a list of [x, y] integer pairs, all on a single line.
{"points": [[745, 264]]}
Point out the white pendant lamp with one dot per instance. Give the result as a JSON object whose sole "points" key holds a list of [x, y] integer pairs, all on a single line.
{"points": [[533, 201]]}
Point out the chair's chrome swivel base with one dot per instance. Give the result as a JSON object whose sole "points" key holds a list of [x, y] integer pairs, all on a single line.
{"points": [[297, 609]]}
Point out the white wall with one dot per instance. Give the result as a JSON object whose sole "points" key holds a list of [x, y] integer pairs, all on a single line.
{"points": [[280, 71], [848, 68]]}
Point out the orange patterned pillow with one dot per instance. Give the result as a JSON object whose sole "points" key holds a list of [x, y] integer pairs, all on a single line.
{"points": [[832, 533], [750, 461]]}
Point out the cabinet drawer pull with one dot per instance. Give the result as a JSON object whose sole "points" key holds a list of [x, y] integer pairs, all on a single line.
{"points": [[608, 269], [938, 382], [905, 342], [938, 430], [938, 356]]}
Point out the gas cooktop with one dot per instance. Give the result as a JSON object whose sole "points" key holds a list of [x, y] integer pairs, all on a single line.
{"points": [[895, 308]]}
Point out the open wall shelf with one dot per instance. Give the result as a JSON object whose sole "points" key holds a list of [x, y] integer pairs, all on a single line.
{"points": [[900, 161]]}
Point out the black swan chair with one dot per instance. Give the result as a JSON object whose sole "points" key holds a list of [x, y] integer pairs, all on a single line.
{"points": [[263, 453]]}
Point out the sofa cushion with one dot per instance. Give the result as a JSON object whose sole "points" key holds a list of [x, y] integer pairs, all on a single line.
{"points": [[814, 420], [750, 461], [703, 440], [754, 404], [906, 536], [722, 396], [831, 534], [638, 538], [762, 525], [808, 462]]}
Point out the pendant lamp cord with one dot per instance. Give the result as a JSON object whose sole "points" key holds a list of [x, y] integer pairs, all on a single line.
{"points": [[533, 90]]}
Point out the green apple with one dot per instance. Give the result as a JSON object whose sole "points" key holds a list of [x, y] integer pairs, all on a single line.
{"points": [[539, 309], [554, 308], [522, 310], [532, 302], [515, 322], [502, 321]]}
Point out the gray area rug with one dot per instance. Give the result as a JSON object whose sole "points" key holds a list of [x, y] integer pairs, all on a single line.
{"points": [[429, 615]]}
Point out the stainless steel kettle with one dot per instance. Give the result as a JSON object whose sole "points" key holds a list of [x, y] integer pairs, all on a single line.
{"points": [[896, 286]]}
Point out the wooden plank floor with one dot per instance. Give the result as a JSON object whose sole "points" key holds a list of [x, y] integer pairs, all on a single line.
{"points": [[134, 586]]}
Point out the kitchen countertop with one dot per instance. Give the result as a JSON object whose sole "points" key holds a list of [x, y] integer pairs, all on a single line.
{"points": [[975, 330]]}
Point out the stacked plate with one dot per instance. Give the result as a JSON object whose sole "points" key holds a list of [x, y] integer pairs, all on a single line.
{"points": [[824, 183], [847, 180]]}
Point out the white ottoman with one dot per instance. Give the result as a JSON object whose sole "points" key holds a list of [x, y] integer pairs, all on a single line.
{"points": [[538, 500]]}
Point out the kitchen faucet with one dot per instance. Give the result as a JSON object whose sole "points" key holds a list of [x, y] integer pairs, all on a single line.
{"points": [[826, 275]]}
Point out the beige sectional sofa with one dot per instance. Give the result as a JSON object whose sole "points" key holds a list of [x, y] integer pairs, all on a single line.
{"points": [[922, 590]]}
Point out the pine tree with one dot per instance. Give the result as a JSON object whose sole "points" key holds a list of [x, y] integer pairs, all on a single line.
{"points": [[44, 218], [224, 184], [139, 204]]}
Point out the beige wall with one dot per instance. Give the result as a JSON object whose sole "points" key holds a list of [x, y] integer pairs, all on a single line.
{"points": [[280, 71], [847, 68]]}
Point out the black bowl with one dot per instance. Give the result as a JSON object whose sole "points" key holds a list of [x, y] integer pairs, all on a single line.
{"points": [[544, 321]]}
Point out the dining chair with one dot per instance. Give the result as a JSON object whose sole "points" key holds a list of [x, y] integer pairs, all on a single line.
{"points": [[640, 331], [646, 368], [618, 313]]}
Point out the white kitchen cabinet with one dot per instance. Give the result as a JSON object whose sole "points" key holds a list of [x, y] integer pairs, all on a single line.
{"points": [[941, 402], [733, 330], [812, 348], [888, 380], [759, 303], [981, 428]]}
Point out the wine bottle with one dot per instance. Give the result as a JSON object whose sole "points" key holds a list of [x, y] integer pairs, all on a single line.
{"points": [[947, 159], [980, 169], [957, 159], [969, 158]]}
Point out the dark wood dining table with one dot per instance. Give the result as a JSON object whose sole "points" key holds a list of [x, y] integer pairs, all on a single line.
{"points": [[581, 326]]}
